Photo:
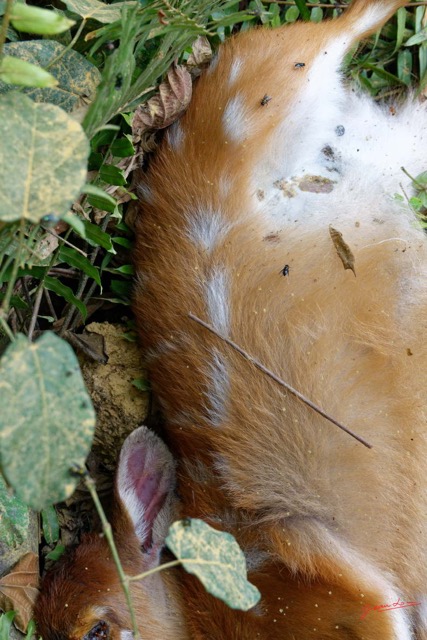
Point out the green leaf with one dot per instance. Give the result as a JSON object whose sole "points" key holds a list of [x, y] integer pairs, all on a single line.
{"points": [[35, 20], [52, 284], [303, 9], [57, 552], [98, 198], [75, 223], [46, 419], [75, 259], [316, 14], [401, 22], [421, 180], [21, 73], [50, 524], [97, 10], [216, 559], [76, 78], [112, 175], [141, 384], [125, 269], [45, 164], [123, 242], [404, 66], [14, 517], [97, 237], [6, 620], [418, 38], [123, 147], [292, 14]]}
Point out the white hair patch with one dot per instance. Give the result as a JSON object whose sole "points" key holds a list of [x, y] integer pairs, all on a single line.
{"points": [[235, 69], [206, 228], [217, 300], [176, 136], [234, 119], [218, 388]]}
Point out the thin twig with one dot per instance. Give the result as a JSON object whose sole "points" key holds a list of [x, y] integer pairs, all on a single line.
{"points": [[5, 24], [49, 304], [69, 46], [282, 383], [106, 527], [35, 313], [64, 241]]}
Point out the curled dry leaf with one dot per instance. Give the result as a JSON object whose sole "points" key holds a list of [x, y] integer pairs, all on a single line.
{"points": [[343, 250], [168, 105], [200, 56], [19, 589]]}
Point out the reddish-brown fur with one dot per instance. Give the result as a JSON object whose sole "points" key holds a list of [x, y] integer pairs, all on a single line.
{"points": [[273, 472]]}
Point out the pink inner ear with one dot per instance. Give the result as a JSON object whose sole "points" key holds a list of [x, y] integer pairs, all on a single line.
{"points": [[151, 486]]}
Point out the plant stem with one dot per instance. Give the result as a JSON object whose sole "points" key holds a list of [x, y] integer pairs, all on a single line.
{"points": [[145, 574], [69, 46], [36, 308], [4, 309], [106, 527], [5, 24], [6, 328]]}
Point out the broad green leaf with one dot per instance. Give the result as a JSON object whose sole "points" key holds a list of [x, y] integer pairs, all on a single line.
{"points": [[292, 14], [401, 22], [98, 198], [96, 10], [112, 175], [216, 559], [404, 66], [97, 237], [14, 517], [46, 419], [316, 14], [75, 259], [303, 9], [56, 553], [35, 20], [75, 223], [76, 78], [6, 620], [45, 164], [52, 284], [22, 73], [418, 38], [50, 524], [123, 147]]}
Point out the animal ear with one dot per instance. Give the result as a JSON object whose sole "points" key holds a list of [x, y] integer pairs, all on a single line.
{"points": [[367, 16], [144, 488]]}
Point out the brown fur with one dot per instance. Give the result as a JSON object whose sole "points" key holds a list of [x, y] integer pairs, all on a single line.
{"points": [[314, 509]]}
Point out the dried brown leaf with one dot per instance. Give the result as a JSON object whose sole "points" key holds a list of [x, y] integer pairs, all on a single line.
{"points": [[19, 590], [168, 105], [201, 55], [343, 250]]}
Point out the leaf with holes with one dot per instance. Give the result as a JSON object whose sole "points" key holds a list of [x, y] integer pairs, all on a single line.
{"points": [[76, 79], [216, 559], [45, 164], [46, 419], [19, 589], [14, 517]]}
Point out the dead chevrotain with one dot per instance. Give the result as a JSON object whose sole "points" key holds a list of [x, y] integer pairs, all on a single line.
{"points": [[239, 190]]}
